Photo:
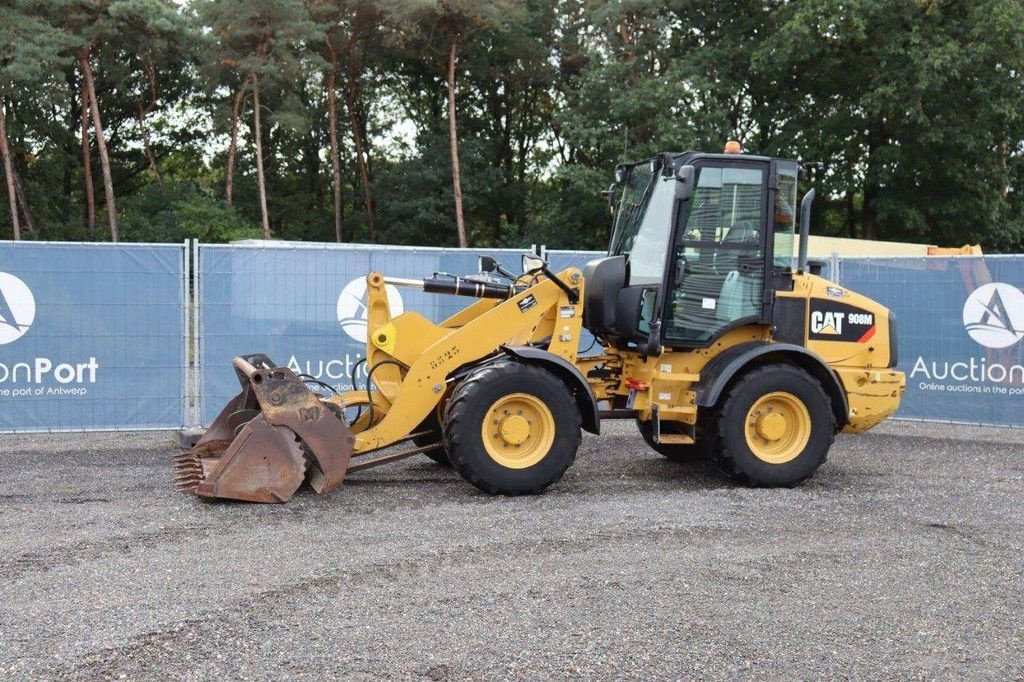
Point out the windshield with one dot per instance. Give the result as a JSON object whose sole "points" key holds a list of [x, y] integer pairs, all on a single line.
{"points": [[631, 208], [643, 223]]}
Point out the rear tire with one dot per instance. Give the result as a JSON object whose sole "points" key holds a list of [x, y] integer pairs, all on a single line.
{"points": [[676, 452], [775, 427], [512, 428]]}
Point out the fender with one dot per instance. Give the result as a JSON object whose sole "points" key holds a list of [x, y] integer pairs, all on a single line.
{"points": [[724, 367], [568, 373]]}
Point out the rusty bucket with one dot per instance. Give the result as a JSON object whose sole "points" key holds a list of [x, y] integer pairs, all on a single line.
{"points": [[267, 440]]}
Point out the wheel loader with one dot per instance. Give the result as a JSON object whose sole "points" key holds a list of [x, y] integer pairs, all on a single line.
{"points": [[714, 338]]}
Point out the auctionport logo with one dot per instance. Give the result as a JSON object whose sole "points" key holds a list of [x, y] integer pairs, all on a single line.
{"points": [[17, 308], [994, 315], [352, 307], [34, 376]]}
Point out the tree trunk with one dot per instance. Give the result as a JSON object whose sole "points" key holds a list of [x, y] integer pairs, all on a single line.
{"points": [[90, 193], [19, 191], [143, 111], [5, 152], [626, 34], [453, 137], [236, 112], [332, 110], [97, 124], [869, 212], [851, 216], [144, 132], [351, 99], [260, 179]]}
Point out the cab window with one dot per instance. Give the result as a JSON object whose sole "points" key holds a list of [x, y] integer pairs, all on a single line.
{"points": [[718, 261], [784, 218]]}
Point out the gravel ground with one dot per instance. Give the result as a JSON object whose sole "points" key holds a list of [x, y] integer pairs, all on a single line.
{"points": [[901, 558]]}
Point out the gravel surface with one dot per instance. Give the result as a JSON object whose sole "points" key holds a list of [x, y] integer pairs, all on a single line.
{"points": [[901, 558]]}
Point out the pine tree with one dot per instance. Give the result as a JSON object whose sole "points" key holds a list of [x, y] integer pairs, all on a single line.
{"points": [[261, 42], [30, 51], [348, 28], [457, 22]]}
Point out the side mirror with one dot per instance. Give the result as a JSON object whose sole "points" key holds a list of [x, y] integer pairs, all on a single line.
{"points": [[532, 263], [486, 264], [611, 195], [684, 182]]}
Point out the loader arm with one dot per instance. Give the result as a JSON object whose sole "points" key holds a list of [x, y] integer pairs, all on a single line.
{"points": [[277, 433], [424, 382]]}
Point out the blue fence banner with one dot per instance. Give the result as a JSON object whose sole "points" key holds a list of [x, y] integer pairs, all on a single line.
{"points": [[304, 305], [96, 336], [960, 328], [92, 336]]}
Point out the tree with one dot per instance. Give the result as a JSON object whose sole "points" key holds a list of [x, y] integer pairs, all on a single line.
{"points": [[85, 26], [365, 22], [332, 104], [30, 50], [101, 143], [348, 29], [90, 193], [5, 152], [241, 94], [509, 115], [457, 21], [911, 104], [259, 40]]}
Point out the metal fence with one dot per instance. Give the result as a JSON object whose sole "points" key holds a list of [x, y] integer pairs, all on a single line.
{"points": [[101, 336], [92, 336]]}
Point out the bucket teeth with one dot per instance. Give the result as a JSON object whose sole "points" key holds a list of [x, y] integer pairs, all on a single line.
{"points": [[188, 471]]}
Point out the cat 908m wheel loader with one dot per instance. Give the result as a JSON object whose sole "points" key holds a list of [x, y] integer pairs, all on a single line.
{"points": [[713, 341]]}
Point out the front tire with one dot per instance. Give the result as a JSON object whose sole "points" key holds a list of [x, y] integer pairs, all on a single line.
{"points": [[775, 427], [512, 428]]}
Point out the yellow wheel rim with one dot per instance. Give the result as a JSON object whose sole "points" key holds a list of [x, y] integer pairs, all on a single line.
{"points": [[777, 427], [518, 430]]}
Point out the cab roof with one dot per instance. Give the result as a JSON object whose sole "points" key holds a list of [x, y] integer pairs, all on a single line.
{"points": [[676, 159]]}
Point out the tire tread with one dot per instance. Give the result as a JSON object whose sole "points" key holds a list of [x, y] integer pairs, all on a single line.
{"points": [[725, 458], [456, 420]]}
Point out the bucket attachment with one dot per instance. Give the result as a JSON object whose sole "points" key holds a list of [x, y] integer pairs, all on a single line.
{"points": [[267, 440]]}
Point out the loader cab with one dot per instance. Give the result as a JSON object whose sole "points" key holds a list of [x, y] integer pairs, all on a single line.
{"points": [[699, 244]]}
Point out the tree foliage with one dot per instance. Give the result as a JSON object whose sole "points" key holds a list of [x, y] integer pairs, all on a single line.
{"points": [[351, 117]]}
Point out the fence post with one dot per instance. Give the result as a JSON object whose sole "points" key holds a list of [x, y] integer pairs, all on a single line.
{"points": [[197, 356], [186, 367]]}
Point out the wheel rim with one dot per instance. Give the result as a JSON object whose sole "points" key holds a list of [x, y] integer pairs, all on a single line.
{"points": [[777, 427], [518, 430]]}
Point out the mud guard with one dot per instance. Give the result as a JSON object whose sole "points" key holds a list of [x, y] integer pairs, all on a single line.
{"points": [[567, 372], [715, 377]]}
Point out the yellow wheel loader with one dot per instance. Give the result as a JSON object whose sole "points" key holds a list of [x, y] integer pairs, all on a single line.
{"points": [[713, 339]]}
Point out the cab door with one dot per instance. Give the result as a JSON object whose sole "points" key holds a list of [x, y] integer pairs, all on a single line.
{"points": [[716, 275]]}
